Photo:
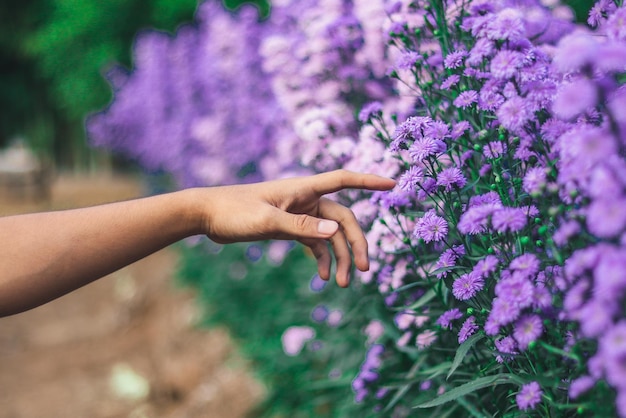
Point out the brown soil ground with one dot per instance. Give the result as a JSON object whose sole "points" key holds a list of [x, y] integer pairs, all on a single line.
{"points": [[62, 359]]}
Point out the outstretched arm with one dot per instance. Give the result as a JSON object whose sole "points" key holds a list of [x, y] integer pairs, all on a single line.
{"points": [[46, 255]]}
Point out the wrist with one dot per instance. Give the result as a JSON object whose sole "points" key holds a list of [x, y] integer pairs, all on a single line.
{"points": [[194, 210]]}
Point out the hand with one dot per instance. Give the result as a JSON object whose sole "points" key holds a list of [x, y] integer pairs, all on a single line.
{"points": [[295, 209]]}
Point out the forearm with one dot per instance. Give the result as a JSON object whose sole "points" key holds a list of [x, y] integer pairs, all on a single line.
{"points": [[46, 255]]}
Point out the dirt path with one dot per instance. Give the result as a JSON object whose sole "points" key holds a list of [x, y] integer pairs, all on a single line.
{"points": [[125, 346]]}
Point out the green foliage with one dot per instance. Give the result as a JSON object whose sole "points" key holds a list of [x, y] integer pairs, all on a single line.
{"points": [[80, 38], [52, 56], [258, 301]]}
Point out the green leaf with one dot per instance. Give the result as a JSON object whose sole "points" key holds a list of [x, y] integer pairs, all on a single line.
{"points": [[467, 388], [446, 269], [462, 351], [427, 297]]}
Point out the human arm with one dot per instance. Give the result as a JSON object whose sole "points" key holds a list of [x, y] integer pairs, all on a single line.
{"points": [[46, 255]]}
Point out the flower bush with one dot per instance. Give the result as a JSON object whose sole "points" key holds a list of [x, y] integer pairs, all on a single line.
{"points": [[499, 261]]}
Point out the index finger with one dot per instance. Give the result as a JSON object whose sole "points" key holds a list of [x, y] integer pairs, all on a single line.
{"points": [[333, 181]]}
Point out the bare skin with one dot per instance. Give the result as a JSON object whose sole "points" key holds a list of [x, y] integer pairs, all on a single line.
{"points": [[46, 255]]}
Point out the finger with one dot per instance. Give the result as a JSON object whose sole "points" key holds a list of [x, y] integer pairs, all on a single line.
{"points": [[322, 255], [300, 226], [329, 209], [344, 260], [334, 181]]}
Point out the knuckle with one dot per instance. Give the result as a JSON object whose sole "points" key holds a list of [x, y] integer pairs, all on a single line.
{"points": [[300, 222]]}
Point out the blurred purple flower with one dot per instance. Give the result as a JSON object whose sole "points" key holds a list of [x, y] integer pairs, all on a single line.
{"points": [[466, 99], [529, 396], [446, 318], [454, 59], [294, 338], [506, 64], [527, 329], [369, 111], [574, 98], [514, 113], [468, 329], [450, 81], [509, 219]]}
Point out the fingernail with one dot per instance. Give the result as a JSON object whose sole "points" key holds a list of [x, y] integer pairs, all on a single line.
{"points": [[327, 227]]}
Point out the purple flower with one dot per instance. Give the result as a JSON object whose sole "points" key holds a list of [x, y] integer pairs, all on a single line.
{"points": [[598, 11], [466, 99], [596, 317], [606, 218], [611, 57], [431, 227], [529, 396], [516, 290], [370, 110], [503, 311], [491, 198], [411, 178], [506, 64], [527, 264], [508, 24], [468, 329], [319, 313], [425, 339], [450, 81], [408, 60], [467, 285], [437, 130], [534, 180], [451, 177], [294, 338], [509, 219], [482, 48], [446, 318], [581, 385], [454, 59], [574, 51], [459, 129], [574, 98], [428, 186], [494, 149], [367, 372], [490, 100], [527, 329], [474, 220], [610, 275], [613, 342], [317, 283], [486, 266], [506, 347], [514, 113], [407, 130], [491, 326], [424, 147], [448, 259], [614, 26]]}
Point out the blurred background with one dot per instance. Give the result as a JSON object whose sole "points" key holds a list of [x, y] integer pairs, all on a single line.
{"points": [[128, 345]]}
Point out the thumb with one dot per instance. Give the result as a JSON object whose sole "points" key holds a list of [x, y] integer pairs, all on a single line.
{"points": [[305, 226]]}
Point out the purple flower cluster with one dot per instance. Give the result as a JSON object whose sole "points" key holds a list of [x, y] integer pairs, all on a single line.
{"points": [[180, 110], [368, 372], [546, 147]]}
